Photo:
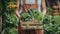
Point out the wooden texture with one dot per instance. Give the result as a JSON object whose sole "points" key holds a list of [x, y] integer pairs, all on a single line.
{"points": [[31, 25], [31, 31], [28, 31], [55, 10]]}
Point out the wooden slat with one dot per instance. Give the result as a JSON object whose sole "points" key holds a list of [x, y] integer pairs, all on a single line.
{"points": [[31, 25]]}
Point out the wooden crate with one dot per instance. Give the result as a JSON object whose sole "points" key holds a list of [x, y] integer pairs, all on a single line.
{"points": [[31, 25]]}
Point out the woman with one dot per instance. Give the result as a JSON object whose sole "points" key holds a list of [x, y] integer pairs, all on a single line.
{"points": [[41, 6]]}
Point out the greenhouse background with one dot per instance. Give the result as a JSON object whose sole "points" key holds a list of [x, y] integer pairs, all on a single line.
{"points": [[9, 21]]}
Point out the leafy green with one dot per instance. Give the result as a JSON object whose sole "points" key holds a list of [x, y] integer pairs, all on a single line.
{"points": [[52, 24], [25, 16], [30, 14]]}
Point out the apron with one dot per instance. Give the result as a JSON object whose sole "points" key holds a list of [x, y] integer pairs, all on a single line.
{"points": [[25, 7]]}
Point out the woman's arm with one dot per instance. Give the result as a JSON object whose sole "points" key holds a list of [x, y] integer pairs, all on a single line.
{"points": [[17, 9], [43, 7]]}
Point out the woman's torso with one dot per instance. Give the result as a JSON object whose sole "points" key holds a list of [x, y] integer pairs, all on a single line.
{"points": [[30, 4]]}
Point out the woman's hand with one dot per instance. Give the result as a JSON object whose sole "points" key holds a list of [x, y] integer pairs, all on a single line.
{"points": [[17, 13], [17, 9]]}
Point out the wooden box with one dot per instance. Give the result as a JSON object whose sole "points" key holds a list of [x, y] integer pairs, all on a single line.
{"points": [[31, 25]]}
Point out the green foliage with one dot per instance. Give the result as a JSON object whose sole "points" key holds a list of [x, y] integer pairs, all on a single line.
{"points": [[30, 14], [10, 21], [11, 31], [25, 16], [57, 19], [49, 10], [52, 24], [51, 29], [48, 19], [9, 18]]}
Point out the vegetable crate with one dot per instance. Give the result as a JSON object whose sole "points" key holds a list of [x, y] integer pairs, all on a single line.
{"points": [[32, 19]]}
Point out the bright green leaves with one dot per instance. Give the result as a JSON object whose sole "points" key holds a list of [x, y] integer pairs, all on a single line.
{"points": [[52, 24], [38, 15], [32, 14], [25, 16], [57, 19], [11, 31]]}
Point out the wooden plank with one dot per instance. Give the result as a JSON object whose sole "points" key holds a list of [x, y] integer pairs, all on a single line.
{"points": [[31, 25]]}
